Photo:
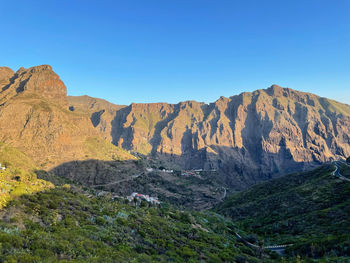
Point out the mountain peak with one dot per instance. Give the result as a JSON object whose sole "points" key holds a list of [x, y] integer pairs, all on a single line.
{"points": [[40, 68], [275, 86], [5, 75], [276, 90], [4, 70], [35, 69], [40, 80]]}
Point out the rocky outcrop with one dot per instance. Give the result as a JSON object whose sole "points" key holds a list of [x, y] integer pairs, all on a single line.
{"points": [[248, 138]]}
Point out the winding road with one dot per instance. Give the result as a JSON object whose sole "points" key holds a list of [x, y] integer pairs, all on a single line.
{"points": [[337, 173], [277, 248], [224, 195]]}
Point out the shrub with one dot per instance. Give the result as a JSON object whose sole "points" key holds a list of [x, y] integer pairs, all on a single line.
{"points": [[66, 186]]}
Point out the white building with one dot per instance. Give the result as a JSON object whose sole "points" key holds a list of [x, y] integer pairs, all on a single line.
{"points": [[148, 198], [2, 167]]}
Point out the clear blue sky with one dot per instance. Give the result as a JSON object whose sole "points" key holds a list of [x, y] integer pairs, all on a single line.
{"points": [[163, 50]]}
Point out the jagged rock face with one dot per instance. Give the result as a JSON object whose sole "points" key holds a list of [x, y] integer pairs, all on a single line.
{"points": [[34, 117], [40, 80], [249, 137]]}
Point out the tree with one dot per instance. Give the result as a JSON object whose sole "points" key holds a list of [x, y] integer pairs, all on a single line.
{"points": [[17, 178], [252, 238], [135, 201], [348, 160], [144, 203], [261, 248]]}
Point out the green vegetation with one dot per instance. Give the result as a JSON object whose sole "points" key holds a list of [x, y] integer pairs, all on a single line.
{"points": [[43, 223], [16, 182], [18, 178], [12, 157], [67, 226], [344, 170], [310, 210]]}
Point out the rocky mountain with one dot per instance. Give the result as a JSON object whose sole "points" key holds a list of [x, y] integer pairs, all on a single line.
{"points": [[35, 119], [248, 138]]}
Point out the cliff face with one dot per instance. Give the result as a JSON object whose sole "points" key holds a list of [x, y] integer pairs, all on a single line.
{"points": [[34, 118], [248, 137]]}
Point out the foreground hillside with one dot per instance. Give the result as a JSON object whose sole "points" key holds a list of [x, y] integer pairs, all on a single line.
{"points": [[310, 210], [71, 224], [64, 225]]}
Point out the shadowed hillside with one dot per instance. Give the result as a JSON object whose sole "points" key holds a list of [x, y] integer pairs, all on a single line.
{"points": [[198, 191]]}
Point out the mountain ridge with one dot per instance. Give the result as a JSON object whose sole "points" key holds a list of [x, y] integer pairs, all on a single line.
{"points": [[247, 138], [300, 126]]}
